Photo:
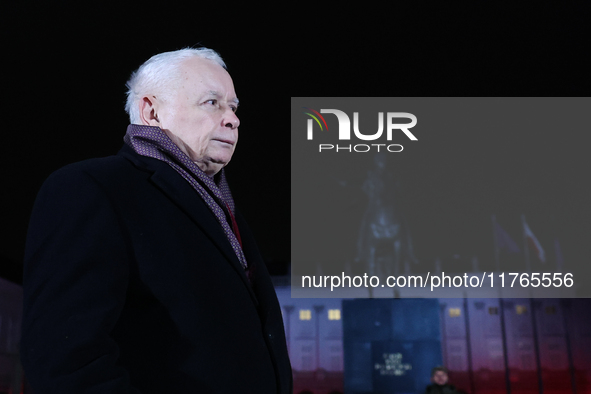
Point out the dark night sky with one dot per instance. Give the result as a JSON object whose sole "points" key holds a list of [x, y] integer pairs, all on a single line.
{"points": [[68, 68]]}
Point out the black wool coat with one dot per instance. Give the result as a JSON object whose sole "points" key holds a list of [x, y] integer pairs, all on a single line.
{"points": [[131, 286]]}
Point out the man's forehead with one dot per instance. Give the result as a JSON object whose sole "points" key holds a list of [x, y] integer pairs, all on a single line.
{"points": [[203, 68], [212, 78]]}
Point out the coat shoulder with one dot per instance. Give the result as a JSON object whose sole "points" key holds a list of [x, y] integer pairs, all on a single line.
{"points": [[96, 167], [112, 171]]}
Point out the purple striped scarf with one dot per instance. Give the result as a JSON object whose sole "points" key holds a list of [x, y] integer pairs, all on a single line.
{"points": [[152, 142]]}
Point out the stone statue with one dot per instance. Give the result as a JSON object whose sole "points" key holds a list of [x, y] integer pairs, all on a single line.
{"points": [[384, 244]]}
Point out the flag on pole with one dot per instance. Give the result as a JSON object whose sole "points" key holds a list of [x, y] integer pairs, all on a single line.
{"points": [[559, 261], [503, 243], [475, 264], [504, 240], [533, 242]]}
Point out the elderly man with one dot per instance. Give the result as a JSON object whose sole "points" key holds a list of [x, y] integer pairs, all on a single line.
{"points": [[140, 275]]}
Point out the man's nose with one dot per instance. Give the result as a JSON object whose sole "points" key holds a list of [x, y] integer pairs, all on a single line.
{"points": [[230, 120]]}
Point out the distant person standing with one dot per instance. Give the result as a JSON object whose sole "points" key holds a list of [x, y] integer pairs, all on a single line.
{"points": [[440, 385]]}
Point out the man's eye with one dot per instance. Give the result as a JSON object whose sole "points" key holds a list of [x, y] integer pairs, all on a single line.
{"points": [[234, 108], [212, 102]]}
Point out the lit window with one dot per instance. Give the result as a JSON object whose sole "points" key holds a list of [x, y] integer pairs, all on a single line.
{"points": [[334, 314], [454, 312], [305, 314], [520, 309]]}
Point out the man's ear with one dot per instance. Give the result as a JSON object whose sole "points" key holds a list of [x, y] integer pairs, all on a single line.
{"points": [[148, 111]]}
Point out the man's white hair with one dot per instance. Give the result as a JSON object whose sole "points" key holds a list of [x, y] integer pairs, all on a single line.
{"points": [[159, 74]]}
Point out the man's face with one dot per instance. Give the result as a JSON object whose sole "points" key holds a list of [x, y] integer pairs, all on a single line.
{"points": [[440, 377], [199, 116]]}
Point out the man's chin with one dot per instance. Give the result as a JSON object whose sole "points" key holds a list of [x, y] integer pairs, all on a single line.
{"points": [[213, 166]]}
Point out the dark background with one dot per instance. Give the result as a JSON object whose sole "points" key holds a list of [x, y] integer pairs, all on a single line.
{"points": [[65, 68]]}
